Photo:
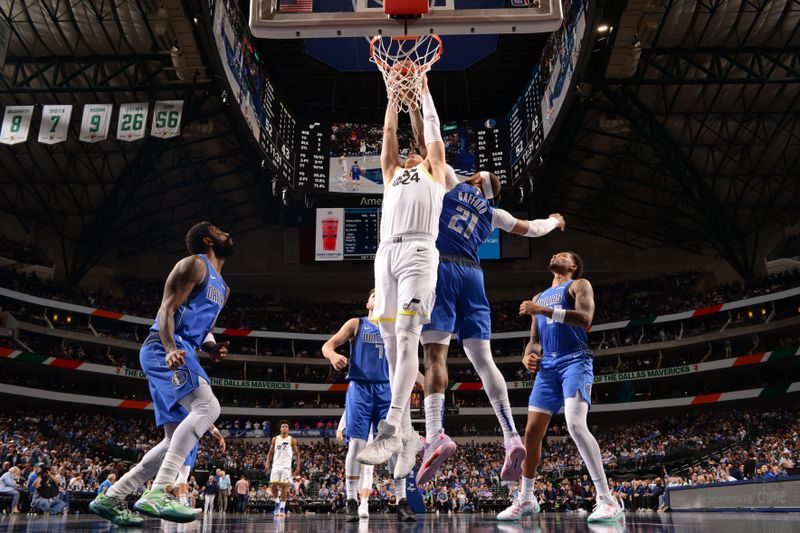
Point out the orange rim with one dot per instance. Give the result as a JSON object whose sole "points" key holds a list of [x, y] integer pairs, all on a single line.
{"points": [[382, 64]]}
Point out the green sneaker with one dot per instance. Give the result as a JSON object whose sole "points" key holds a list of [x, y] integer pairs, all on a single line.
{"points": [[158, 504], [116, 510]]}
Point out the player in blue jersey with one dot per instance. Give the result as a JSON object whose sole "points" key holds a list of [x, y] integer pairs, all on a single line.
{"points": [[368, 399], [355, 175], [462, 307], [183, 402], [559, 354]]}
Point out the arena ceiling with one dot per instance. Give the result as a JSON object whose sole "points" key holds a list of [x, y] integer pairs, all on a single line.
{"points": [[684, 133]]}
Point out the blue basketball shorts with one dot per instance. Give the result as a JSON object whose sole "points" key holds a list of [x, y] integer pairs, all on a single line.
{"points": [[561, 379], [461, 306], [192, 457], [366, 404], [167, 387]]}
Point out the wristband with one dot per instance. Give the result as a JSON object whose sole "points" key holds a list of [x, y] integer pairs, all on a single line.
{"points": [[559, 315], [209, 338]]}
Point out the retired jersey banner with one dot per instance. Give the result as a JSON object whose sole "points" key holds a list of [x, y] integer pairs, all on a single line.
{"points": [[55, 124], [95, 122], [167, 119], [131, 121], [16, 124]]}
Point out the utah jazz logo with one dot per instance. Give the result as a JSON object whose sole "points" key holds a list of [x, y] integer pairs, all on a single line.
{"points": [[406, 177]]}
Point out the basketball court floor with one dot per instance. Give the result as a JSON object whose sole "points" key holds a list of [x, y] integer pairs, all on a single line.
{"points": [[472, 523]]}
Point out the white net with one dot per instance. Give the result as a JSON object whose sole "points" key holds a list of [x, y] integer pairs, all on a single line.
{"points": [[403, 61]]}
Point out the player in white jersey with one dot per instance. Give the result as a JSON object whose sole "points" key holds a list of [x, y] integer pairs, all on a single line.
{"points": [[405, 274], [281, 452]]}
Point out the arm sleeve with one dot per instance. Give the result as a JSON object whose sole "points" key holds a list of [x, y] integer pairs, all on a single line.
{"points": [[503, 219], [342, 423], [539, 227]]}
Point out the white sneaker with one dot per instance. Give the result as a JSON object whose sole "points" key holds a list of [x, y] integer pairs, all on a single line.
{"points": [[388, 442], [606, 510], [518, 510], [363, 510], [407, 458]]}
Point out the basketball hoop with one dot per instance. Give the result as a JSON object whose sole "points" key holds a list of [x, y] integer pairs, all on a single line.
{"points": [[404, 61]]}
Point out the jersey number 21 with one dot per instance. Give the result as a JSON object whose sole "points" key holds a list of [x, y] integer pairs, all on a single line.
{"points": [[463, 215]]}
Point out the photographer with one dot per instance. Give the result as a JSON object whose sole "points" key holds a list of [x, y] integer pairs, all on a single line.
{"points": [[47, 493]]}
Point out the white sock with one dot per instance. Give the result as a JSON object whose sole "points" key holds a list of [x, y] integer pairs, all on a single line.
{"points": [[479, 353], [526, 493], [169, 470], [400, 489], [405, 422], [183, 499], [575, 411], [406, 369], [434, 411], [351, 488]]}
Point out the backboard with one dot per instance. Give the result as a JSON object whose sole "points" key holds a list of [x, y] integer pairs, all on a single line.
{"points": [[304, 19]]}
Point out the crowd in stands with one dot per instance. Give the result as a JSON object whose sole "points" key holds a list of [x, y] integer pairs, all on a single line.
{"points": [[615, 301], [363, 139], [80, 451]]}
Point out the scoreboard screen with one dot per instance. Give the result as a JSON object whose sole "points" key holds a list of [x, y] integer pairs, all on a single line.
{"points": [[347, 233], [492, 148], [311, 173]]}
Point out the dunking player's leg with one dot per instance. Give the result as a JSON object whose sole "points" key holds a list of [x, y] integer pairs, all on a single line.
{"points": [[535, 430], [479, 353], [408, 330], [575, 411], [389, 439], [203, 409]]}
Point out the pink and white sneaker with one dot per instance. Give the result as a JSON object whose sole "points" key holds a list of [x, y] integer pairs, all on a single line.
{"points": [[606, 510], [440, 449], [515, 456], [518, 510]]}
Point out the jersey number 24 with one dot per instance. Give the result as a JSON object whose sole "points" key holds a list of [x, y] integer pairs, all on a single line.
{"points": [[463, 215], [406, 177]]}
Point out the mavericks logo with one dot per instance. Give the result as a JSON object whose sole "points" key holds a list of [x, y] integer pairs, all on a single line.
{"points": [[179, 377]]}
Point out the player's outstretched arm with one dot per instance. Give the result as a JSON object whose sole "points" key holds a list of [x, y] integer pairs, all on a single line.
{"points": [[433, 135], [527, 228], [418, 129], [390, 159], [582, 315], [186, 274], [218, 435], [533, 350], [345, 334]]}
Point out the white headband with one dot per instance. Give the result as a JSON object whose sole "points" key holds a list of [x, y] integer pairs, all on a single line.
{"points": [[486, 185]]}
